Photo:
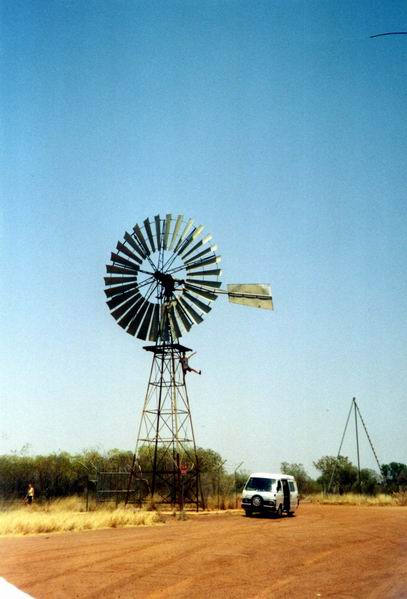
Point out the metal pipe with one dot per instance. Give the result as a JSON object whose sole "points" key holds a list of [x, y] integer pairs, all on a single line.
{"points": [[357, 443]]}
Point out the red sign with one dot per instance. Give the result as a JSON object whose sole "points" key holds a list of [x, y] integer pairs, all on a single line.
{"points": [[183, 469]]}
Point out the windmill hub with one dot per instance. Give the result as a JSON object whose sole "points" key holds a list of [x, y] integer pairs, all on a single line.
{"points": [[168, 284]]}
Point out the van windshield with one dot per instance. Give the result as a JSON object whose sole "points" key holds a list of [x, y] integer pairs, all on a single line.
{"points": [[259, 484]]}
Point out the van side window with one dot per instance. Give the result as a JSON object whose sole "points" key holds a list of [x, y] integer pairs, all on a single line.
{"points": [[292, 486], [279, 485]]}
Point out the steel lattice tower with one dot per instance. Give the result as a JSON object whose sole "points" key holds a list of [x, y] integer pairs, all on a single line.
{"points": [[166, 440]]}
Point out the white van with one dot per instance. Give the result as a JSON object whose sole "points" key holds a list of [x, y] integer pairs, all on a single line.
{"points": [[275, 493]]}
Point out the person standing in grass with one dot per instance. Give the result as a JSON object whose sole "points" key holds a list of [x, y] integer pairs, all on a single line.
{"points": [[30, 494]]}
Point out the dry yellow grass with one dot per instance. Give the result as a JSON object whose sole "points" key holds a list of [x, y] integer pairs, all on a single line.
{"points": [[395, 499], [225, 502], [67, 515]]}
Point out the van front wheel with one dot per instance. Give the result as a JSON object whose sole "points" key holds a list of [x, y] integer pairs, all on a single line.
{"points": [[279, 512]]}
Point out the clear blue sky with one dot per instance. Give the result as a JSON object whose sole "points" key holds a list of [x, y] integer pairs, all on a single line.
{"points": [[279, 125]]}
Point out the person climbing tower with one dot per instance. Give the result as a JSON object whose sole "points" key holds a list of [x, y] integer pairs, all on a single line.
{"points": [[184, 359]]}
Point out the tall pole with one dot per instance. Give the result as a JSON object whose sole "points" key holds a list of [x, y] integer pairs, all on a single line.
{"points": [[340, 447], [357, 442]]}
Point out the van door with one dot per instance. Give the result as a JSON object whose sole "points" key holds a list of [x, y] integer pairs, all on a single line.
{"points": [[279, 494], [293, 495], [286, 491]]}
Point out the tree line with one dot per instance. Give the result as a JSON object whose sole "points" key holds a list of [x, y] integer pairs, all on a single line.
{"points": [[63, 474]]}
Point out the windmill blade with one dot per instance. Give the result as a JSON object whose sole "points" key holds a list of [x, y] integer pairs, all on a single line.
{"points": [[118, 270], [176, 230], [186, 321], [155, 321], [145, 325], [207, 273], [196, 246], [119, 280], [203, 283], [184, 234], [111, 291], [204, 307], [141, 239], [149, 233], [209, 295], [158, 230], [136, 246], [200, 254], [135, 323], [125, 250], [191, 237], [120, 260], [197, 318], [176, 331], [119, 299], [255, 295], [124, 313], [201, 263], [167, 226]]}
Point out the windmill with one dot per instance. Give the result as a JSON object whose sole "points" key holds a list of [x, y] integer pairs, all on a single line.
{"points": [[163, 279]]}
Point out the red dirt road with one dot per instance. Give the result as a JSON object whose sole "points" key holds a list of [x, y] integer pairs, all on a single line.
{"points": [[325, 551]]}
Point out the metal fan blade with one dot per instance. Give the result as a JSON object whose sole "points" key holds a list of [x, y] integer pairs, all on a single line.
{"points": [[158, 230], [206, 273], [204, 307], [111, 291], [184, 234], [191, 311], [209, 295], [176, 230], [128, 310], [201, 282], [119, 299], [141, 239], [135, 323], [187, 242], [153, 336], [167, 226], [119, 280], [120, 260], [186, 321], [118, 270], [149, 233], [176, 331], [136, 246], [205, 262], [125, 250], [145, 325], [199, 255], [197, 245], [255, 295]]}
